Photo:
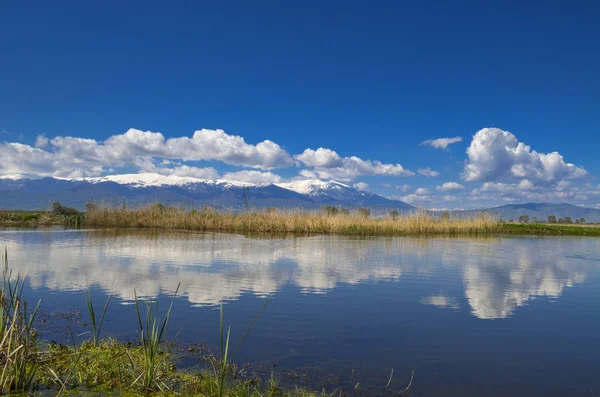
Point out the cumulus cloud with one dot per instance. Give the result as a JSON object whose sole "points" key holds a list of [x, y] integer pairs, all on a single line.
{"points": [[325, 158], [428, 172], [495, 155], [363, 187], [415, 199], [422, 191], [450, 187], [327, 164], [441, 143], [405, 188], [252, 176], [528, 192], [76, 157]]}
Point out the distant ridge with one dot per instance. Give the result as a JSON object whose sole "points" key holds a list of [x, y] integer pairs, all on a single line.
{"points": [[543, 210], [18, 192]]}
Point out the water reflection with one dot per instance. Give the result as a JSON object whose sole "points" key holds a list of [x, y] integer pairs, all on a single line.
{"points": [[498, 274]]}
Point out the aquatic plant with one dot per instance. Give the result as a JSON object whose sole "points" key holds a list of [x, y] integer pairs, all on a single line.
{"points": [[152, 333], [17, 336], [221, 368], [96, 325]]}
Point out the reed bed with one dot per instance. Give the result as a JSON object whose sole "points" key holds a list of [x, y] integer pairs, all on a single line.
{"points": [[293, 221]]}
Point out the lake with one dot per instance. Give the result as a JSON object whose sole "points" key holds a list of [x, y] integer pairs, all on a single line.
{"points": [[498, 316]]}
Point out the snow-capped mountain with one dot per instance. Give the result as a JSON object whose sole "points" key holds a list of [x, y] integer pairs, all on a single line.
{"points": [[336, 193], [18, 192]]}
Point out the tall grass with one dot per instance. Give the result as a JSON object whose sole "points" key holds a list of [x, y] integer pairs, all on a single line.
{"points": [[17, 335], [96, 324], [221, 367], [152, 333], [293, 221]]}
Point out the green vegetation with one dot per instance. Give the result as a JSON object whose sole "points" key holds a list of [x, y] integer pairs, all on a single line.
{"points": [[550, 229], [59, 215]]}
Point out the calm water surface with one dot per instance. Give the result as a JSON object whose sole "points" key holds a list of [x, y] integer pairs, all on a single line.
{"points": [[504, 316]]}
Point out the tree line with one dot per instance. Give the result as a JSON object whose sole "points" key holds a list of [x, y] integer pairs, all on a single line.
{"points": [[551, 219]]}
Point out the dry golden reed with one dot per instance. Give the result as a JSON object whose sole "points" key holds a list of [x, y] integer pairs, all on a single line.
{"points": [[289, 221]]}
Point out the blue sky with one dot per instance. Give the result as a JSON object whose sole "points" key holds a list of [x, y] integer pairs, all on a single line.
{"points": [[366, 80]]}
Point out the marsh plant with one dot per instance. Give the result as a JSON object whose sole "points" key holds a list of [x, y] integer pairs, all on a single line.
{"points": [[96, 324], [328, 221], [18, 361], [152, 334]]}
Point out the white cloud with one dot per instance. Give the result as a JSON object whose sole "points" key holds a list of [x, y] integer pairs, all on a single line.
{"points": [[415, 199], [526, 191], [363, 187], [450, 187], [449, 197], [422, 191], [327, 164], [41, 141], [428, 172], [495, 155], [404, 188], [325, 158], [441, 143], [75, 157], [252, 176]]}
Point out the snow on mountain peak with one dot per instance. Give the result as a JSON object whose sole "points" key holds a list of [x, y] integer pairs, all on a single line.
{"points": [[313, 186], [155, 180]]}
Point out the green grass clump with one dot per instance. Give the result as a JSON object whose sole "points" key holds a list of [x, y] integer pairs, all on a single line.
{"points": [[550, 229], [18, 353]]}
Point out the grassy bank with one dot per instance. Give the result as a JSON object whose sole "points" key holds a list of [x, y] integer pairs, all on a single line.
{"points": [[301, 222], [42, 218], [550, 229], [105, 366]]}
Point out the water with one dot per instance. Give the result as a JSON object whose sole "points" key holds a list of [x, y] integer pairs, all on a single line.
{"points": [[503, 316]]}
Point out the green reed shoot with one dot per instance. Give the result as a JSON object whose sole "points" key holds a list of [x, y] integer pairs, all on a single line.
{"points": [[96, 326], [221, 368], [152, 333], [17, 336]]}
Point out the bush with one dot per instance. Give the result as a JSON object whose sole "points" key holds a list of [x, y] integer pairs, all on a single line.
{"points": [[364, 212], [330, 210], [58, 209]]}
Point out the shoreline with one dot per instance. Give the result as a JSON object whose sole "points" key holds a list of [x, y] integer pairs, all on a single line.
{"points": [[290, 222]]}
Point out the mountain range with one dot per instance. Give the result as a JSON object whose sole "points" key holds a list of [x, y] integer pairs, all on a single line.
{"points": [[135, 189], [543, 210], [20, 193]]}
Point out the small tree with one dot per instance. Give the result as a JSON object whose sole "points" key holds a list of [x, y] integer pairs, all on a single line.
{"points": [[582, 220], [561, 220], [534, 219], [394, 214], [330, 210], [524, 219], [551, 219], [58, 209], [91, 206], [568, 220], [364, 212]]}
